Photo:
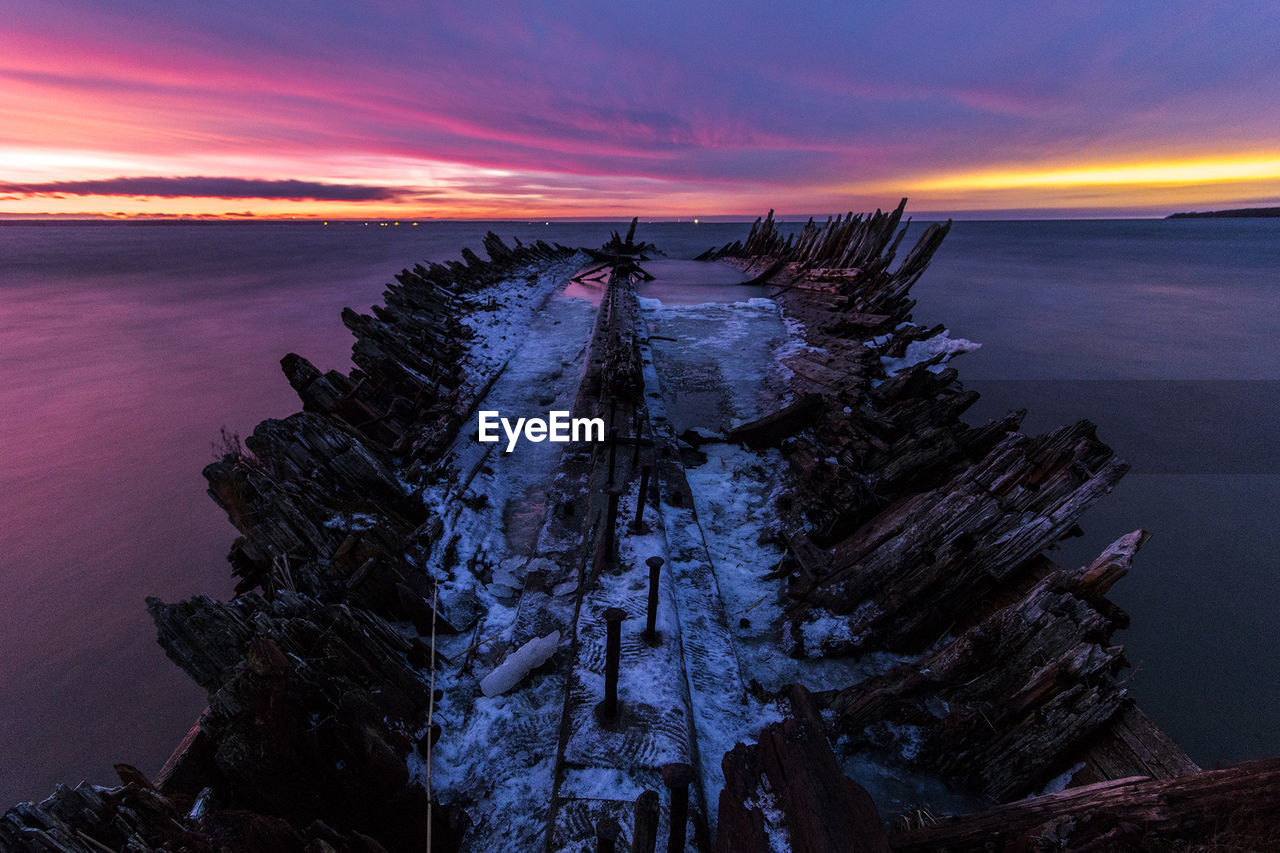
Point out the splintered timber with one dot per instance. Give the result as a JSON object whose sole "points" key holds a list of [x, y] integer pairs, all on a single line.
{"points": [[557, 427]]}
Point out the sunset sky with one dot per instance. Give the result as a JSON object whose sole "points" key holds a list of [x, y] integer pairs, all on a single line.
{"points": [[409, 109]]}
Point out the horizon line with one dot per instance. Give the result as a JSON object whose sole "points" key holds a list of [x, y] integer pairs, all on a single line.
{"points": [[1019, 215]]}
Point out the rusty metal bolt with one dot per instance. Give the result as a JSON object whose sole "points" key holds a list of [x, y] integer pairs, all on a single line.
{"points": [[611, 524], [636, 423], [607, 832], [641, 496], [645, 837], [612, 659], [650, 633], [613, 453], [678, 777]]}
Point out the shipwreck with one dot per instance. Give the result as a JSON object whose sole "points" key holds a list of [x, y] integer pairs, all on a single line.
{"points": [[792, 601]]}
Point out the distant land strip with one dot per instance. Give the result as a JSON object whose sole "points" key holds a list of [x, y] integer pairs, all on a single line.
{"points": [[1238, 213]]}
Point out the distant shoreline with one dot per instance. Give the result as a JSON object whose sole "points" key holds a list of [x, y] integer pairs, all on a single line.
{"points": [[1237, 213]]}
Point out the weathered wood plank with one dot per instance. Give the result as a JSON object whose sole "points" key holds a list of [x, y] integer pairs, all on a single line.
{"points": [[1229, 809], [787, 792]]}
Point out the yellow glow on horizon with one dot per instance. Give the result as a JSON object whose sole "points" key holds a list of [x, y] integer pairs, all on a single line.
{"points": [[458, 191], [1168, 173]]}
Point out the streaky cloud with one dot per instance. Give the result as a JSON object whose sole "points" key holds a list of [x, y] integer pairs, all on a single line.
{"points": [[212, 187]]}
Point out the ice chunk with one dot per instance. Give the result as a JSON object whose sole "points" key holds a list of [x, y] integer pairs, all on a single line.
{"points": [[920, 351], [518, 664]]}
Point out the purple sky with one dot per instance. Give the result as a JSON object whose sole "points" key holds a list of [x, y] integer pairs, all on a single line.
{"points": [[656, 108]]}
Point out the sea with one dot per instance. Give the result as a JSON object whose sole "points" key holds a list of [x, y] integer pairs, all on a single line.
{"points": [[125, 350]]}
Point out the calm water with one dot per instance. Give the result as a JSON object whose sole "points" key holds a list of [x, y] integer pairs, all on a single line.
{"points": [[126, 348]]}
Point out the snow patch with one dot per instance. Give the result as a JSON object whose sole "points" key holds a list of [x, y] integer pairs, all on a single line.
{"points": [[600, 783], [826, 627], [353, 522], [518, 664], [1059, 782], [906, 737], [775, 825]]}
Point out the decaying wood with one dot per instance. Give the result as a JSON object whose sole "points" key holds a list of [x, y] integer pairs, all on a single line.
{"points": [[911, 529], [1005, 729], [789, 786], [88, 819], [408, 391], [925, 561], [313, 708], [852, 253], [1229, 809], [776, 426], [1132, 743]]}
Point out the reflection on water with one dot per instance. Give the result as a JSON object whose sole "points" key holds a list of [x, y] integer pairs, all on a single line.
{"points": [[591, 290], [675, 282], [694, 282]]}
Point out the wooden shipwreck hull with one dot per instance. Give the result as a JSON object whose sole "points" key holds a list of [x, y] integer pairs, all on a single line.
{"points": [[911, 531], [375, 633]]}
